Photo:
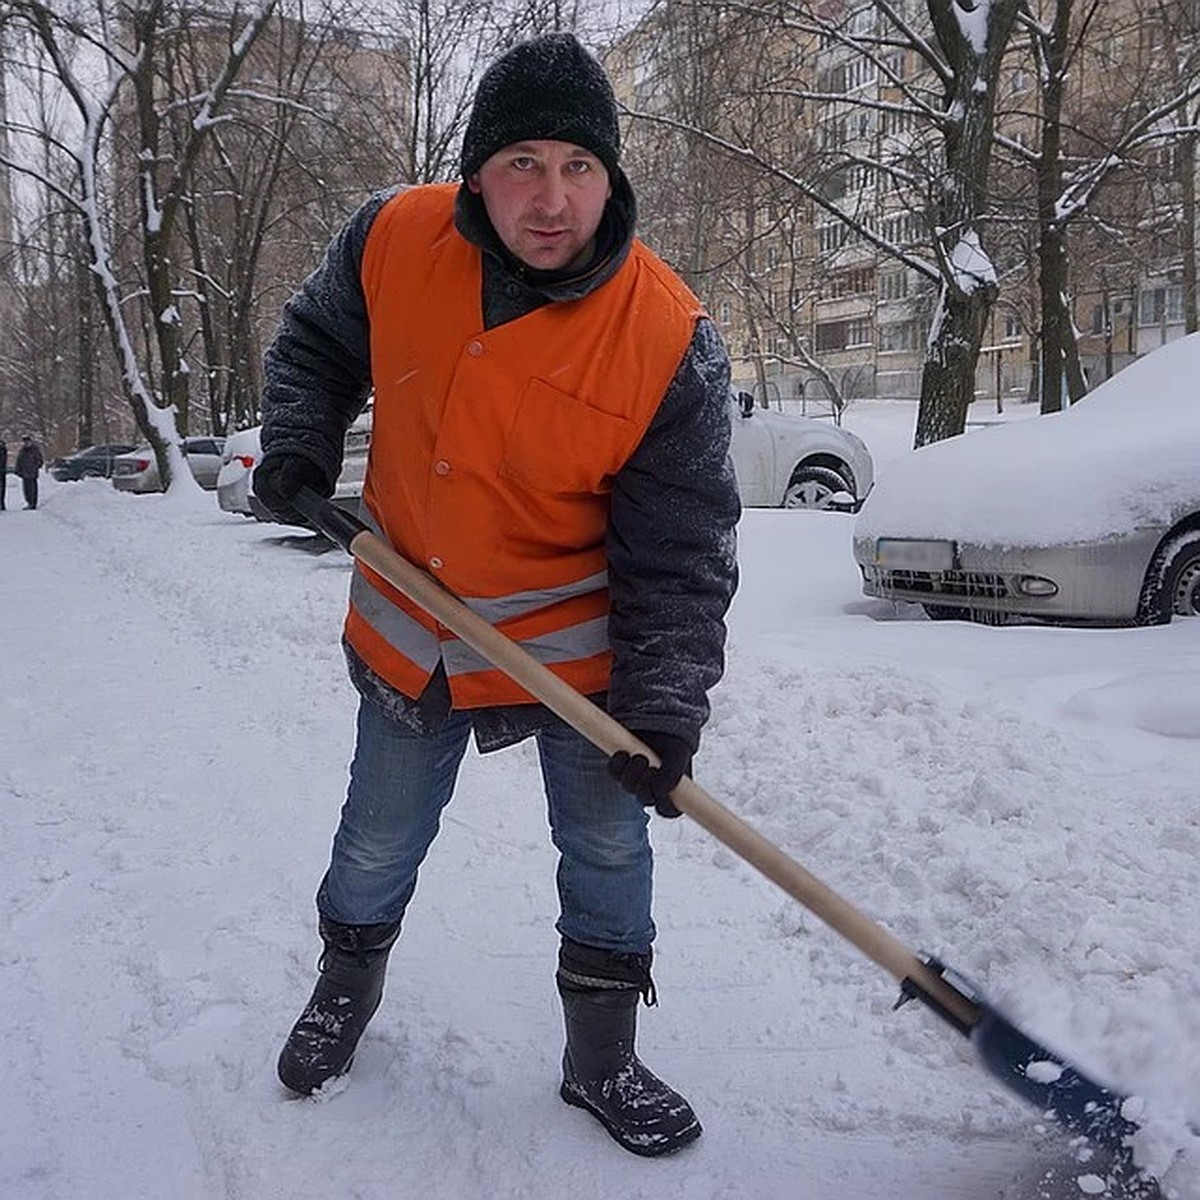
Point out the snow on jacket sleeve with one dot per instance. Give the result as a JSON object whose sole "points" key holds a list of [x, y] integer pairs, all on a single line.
{"points": [[318, 368], [672, 551]]}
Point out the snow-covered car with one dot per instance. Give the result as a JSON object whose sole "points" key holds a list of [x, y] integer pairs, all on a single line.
{"points": [[1087, 516], [796, 462], [235, 489], [138, 470]]}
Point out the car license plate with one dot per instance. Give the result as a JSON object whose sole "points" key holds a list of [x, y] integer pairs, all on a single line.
{"points": [[914, 554]]}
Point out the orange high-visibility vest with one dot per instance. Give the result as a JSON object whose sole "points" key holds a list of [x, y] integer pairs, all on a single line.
{"points": [[493, 450]]}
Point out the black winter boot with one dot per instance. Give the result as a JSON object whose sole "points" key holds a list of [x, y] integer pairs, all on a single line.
{"points": [[322, 1042], [601, 1072]]}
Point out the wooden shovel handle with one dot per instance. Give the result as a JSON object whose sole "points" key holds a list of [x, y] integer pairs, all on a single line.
{"points": [[689, 797]]}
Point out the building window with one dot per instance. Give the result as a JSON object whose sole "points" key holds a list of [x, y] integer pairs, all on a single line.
{"points": [[858, 332], [1168, 160], [1161, 305], [902, 230], [860, 177], [893, 122], [863, 21], [893, 285], [831, 335], [848, 283], [898, 336], [833, 134], [859, 71], [832, 236]]}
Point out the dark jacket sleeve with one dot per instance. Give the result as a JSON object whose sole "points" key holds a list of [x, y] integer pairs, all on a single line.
{"points": [[672, 551], [318, 368]]}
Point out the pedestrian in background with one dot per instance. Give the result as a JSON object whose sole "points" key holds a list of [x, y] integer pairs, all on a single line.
{"points": [[3, 472], [29, 464]]}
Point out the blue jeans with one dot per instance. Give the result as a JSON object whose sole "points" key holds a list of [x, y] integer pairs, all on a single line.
{"points": [[399, 783]]}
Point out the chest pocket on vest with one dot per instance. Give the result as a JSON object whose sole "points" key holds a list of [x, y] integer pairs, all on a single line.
{"points": [[560, 444]]}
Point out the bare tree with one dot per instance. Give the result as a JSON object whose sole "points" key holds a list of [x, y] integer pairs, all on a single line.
{"points": [[961, 46], [311, 128], [450, 42], [1102, 116], [1180, 26], [128, 58]]}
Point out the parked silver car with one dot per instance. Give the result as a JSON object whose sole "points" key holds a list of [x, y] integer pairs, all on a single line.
{"points": [[138, 470], [796, 462], [243, 451], [1087, 516], [780, 460]]}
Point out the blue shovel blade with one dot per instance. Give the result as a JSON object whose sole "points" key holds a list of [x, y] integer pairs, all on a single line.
{"points": [[1052, 1084]]}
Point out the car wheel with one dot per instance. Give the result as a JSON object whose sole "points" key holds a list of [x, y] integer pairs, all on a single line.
{"points": [[1172, 585], [814, 487]]}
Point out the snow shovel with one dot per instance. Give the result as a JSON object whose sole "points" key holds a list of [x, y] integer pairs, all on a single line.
{"points": [[1037, 1074]]}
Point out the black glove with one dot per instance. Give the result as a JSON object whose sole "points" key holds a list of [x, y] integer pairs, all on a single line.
{"points": [[278, 480], [653, 785]]}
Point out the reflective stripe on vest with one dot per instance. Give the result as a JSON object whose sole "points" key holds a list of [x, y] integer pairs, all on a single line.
{"points": [[423, 646]]}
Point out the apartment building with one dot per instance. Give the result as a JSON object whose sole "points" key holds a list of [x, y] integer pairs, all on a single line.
{"points": [[819, 287]]}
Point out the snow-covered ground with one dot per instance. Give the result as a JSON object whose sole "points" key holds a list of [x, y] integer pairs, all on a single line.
{"points": [[174, 729]]}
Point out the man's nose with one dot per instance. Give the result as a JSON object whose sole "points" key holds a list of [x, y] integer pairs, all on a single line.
{"points": [[552, 195]]}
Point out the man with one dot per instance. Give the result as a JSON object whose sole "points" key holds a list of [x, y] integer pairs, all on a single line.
{"points": [[3, 472], [29, 464], [550, 440]]}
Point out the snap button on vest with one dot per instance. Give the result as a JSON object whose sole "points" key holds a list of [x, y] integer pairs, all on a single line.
{"points": [[436, 563], [441, 467], [474, 349]]}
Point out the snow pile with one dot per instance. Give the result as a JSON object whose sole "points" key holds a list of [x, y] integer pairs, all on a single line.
{"points": [[176, 725]]}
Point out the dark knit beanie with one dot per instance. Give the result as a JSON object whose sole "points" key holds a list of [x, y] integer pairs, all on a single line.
{"points": [[546, 88]]}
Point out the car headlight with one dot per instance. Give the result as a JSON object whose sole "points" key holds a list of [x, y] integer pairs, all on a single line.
{"points": [[1035, 585]]}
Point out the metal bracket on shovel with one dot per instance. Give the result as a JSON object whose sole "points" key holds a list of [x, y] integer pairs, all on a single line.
{"points": [[1059, 1090], [911, 989]]}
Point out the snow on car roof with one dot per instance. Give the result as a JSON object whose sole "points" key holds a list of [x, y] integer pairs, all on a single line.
{"points": [[1125, 457]]}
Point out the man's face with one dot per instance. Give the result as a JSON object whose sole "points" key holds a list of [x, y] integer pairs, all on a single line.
{"points": [[545, 200]]}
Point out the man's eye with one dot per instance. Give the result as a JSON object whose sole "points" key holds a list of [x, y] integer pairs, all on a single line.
{"points": [[523, 163], [579, 166]]}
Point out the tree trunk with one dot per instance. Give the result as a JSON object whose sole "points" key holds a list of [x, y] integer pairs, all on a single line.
{"points": [[948, 377], [1187, 168], [1052, 276], [1052, 249], [969, 285], [86, 348]]}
